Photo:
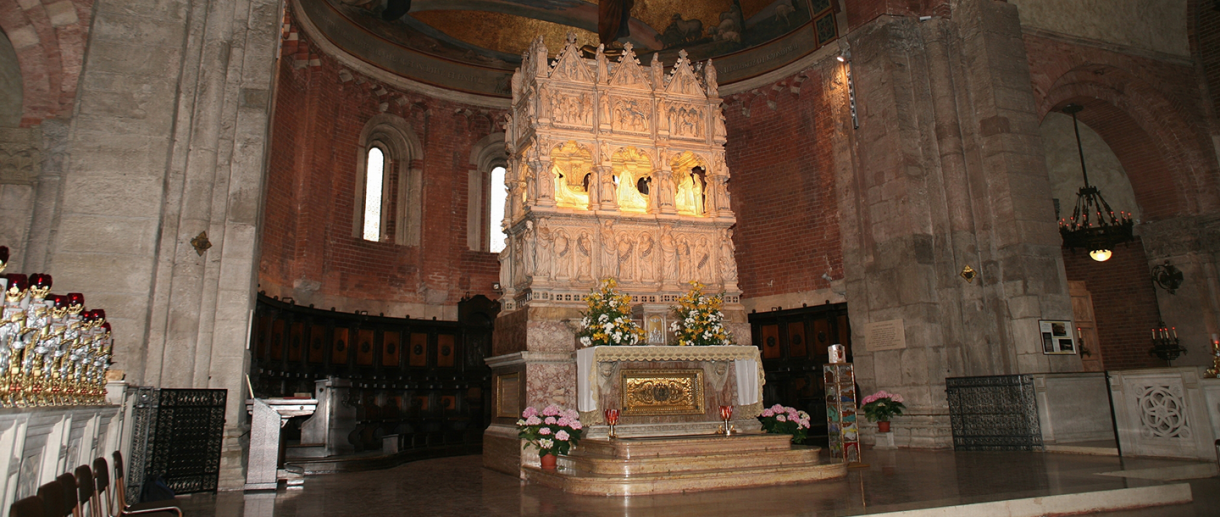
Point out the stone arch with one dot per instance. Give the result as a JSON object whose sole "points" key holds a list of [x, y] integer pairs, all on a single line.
{"points": [[485, 155], [1160, 147], [48, 37], [402, 190]]}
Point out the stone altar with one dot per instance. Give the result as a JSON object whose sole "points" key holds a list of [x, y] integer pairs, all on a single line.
{"points": [[615, 170], [725, 375]]}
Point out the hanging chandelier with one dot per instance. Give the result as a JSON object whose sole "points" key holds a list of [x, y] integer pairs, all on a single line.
{"points": [[1093, 226]]}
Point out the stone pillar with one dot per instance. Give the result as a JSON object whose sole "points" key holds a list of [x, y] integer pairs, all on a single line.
{"points": [[168, 142], [946, 171]]}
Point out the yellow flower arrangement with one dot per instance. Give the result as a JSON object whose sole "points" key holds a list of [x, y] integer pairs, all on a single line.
{"points": [[700, 322], [608, 320]]}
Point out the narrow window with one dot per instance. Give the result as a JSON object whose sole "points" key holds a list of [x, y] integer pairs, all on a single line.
{"points": [[498, 197], [374, 179]]}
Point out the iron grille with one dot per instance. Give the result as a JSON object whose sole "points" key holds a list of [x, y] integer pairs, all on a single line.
{"points": [[994, 413], [177, 436]]}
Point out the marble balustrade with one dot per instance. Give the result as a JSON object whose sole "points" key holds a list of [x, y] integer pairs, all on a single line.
{"points": [[38, 444]]}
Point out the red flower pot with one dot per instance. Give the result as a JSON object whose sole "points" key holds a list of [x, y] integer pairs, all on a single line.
{"points": [[548, 461], [883, 426]]}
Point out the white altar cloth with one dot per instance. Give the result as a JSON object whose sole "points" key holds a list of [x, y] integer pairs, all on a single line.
{"points": [[745, 359]]}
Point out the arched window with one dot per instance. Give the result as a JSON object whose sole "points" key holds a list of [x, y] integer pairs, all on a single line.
{"points": [[498, 197], [487, 195], [374, 186], [387, 205]]}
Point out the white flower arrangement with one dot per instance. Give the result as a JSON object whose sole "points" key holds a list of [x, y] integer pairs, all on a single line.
{"points": [[608, 321], [700, 321]]}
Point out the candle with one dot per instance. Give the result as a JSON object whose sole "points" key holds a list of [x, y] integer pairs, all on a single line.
{"points": [[1175, 332]]}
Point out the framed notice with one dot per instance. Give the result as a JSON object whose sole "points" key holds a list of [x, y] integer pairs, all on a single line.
{"points": [[1057, 337]]}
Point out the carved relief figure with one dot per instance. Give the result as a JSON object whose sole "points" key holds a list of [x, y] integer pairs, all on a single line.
{"points": [[728, 261], [626, 259], [703, 261], [647, 266], [630, 116], [546, 180], [685, 270], [527, 248], [584, 255], [606, 196], [543, 254], [609, 259], [690, 193], [563, 255], [669, 253]]}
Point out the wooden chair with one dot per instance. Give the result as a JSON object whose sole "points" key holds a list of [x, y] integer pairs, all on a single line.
{"points": [[52, 497], [85, 493], [101, 482], [71, 503], [121, 508], [29, 507]]}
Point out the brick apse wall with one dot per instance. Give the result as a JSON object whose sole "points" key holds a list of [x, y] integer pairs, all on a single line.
{"points": [[308, 248], [783, 186]]}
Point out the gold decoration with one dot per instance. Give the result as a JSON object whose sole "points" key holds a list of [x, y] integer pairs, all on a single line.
{"points": [[662, 392], [570, 164], [969, 273], [201, 243], [1214, 371], [508, 395]]}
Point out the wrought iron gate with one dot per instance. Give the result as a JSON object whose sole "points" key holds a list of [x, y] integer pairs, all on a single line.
{"points": [[177, 435], [994, 413]]}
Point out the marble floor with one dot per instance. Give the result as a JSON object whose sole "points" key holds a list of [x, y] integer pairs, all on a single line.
{"points": [[892, 481]]}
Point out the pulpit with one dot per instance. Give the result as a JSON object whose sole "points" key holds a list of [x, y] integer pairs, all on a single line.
{"points": [[268, 416], [668, 390]]}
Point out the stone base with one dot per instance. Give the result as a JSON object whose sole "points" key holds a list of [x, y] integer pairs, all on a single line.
{"points": [[502, 450], [885, 441], [667, 465]]}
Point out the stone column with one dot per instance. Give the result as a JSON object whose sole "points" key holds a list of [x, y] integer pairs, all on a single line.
{"points": [[946, 171], [168, 142]]}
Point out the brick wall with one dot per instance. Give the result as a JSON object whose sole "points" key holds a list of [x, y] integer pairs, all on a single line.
{"points": [[782, 186], [308, 248], [1124, 303]]}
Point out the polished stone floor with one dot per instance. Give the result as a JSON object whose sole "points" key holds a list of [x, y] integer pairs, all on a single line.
{"points": [[892, 481]]}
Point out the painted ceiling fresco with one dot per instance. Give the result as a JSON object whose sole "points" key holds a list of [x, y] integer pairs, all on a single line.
{"points": [[494, 33], [473, 46]]}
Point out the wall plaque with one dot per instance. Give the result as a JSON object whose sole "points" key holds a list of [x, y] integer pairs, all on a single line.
{"points": [[885, 335], [662, 392], [508, 395]]}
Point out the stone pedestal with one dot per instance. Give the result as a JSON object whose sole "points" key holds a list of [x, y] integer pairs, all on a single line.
{"points": [[268, 416]]}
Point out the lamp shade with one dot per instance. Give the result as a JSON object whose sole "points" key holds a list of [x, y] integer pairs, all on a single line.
{"points": [[1100, 255]]}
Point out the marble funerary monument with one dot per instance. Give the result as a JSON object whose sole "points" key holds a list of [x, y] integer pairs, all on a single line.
{"points": [[616, 170]]}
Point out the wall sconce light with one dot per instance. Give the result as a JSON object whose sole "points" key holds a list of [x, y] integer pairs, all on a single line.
{"points": [[1167, 277], [495, 286]]}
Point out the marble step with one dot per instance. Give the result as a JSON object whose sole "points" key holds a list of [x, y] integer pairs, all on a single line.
{"points": [[574, 481], [681, 446], [732, 459]]}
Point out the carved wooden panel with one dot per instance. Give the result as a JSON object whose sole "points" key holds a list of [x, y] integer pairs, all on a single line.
{"points": [[296, 341], [364, 347], [419, 349], [390, 347], [339, 346], [317, 344], [445, 350]]}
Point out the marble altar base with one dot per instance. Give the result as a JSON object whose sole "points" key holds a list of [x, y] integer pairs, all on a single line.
{"points": [[679, 464]]}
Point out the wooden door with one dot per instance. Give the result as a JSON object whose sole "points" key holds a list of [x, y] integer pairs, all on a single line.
{"points": [[1086, 327]]}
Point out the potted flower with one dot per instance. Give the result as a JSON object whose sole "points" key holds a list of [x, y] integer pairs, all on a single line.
{"points": [[608, 321], [553, 431], [880, 407], [700, 322], [779, 419]]}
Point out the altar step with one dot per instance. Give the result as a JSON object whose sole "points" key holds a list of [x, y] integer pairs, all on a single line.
{"points": [[639, 466]]}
